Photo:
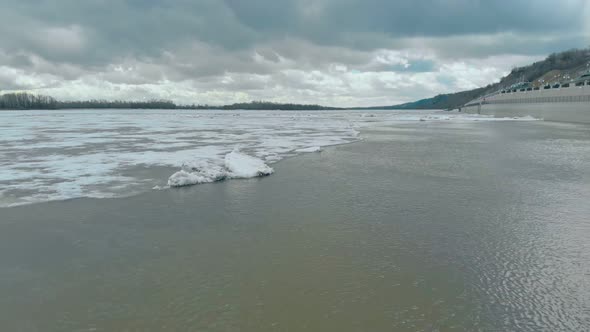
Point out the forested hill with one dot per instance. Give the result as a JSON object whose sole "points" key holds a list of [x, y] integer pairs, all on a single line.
{"points": [[558, 67]]}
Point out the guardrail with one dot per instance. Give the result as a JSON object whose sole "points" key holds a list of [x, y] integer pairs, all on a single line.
{"points": [[553, 95], [532, 100]]}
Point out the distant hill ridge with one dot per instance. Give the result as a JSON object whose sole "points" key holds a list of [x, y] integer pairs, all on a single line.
{"points": [[556, 67]]}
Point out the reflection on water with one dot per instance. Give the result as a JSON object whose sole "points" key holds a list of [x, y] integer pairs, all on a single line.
{"points": [[425, 227]]}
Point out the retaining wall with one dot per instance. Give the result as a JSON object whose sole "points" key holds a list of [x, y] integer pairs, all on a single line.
{"points": [[562, 104]]}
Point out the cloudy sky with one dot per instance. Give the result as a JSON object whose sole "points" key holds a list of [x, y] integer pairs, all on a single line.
{"points": [[331, 52]]}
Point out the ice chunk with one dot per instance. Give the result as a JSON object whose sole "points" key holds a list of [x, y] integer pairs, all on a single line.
{"points": [[354, 132], [240, 165], [207, 168], [183, 178], [237, 165], [197, 172]]}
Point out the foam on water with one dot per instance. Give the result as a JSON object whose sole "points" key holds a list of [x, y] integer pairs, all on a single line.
{"points": [[56, 155], [310, 149]]}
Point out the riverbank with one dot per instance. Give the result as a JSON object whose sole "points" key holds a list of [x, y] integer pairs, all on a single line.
{"points": [[421, 226]]}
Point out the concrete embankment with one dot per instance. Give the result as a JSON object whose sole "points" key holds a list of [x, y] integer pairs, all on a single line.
{"points": [[563, 104]]}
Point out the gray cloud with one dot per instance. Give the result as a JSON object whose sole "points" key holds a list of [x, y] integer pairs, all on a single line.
{"points": [[335, 20], [327, 51]]}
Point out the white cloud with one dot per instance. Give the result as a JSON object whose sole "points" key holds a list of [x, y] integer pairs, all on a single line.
{"points": [[287, 79]]}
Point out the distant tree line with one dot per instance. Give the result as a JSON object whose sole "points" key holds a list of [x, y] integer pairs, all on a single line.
{"points": [[262, 105], [118, 104], [27, 101]]}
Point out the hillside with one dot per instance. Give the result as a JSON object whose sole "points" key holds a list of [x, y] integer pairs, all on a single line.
{"points": [[557, 67], [443, 101]]}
